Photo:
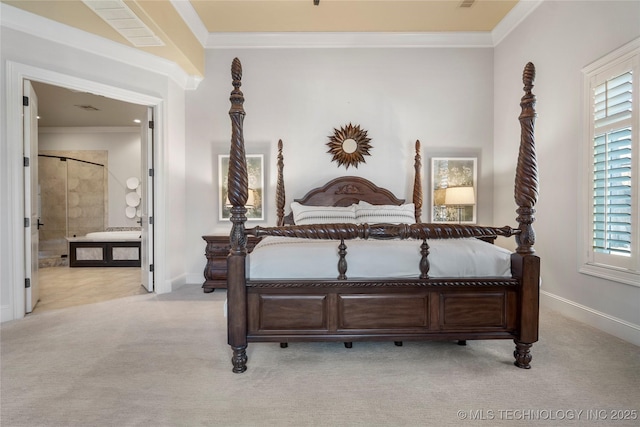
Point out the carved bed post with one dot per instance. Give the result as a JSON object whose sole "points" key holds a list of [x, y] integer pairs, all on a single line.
{"points": [[526, 196], [526, 188], [280, 194], [417, 183], [238, 185]]}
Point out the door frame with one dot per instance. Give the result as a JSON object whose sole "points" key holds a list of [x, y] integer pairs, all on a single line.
{"points": [[16, 73]]}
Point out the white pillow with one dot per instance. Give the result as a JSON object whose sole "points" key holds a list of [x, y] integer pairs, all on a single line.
{"points": [[388, 214], [305, 215]]}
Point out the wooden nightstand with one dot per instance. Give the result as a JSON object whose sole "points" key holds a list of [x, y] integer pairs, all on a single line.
{"points": [[215, 272]]}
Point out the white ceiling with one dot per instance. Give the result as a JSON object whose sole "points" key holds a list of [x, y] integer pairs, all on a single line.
{"points": [[60, 107]]}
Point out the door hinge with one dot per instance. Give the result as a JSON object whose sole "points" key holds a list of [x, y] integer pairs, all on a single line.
{"points": [[150, 220], [151, 172], [27, 283], [25, 162], [25, 101], [27, 223], [151, 124], [151, 267]]}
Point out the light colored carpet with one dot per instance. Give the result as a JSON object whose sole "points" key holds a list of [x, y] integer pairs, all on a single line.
{"points": [[150, 360]]}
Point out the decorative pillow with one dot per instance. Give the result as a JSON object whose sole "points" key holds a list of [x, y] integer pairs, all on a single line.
{"points": [[389, 214], [305, 215]]}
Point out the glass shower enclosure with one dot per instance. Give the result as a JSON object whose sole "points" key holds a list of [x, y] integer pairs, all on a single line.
{"points": [[73, 199]]}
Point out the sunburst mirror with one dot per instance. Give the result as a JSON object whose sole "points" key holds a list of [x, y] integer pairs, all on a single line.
{"points": [[349, 145]]}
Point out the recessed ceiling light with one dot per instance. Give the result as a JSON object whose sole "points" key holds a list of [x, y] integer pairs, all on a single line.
{"points": [[117, 14]]}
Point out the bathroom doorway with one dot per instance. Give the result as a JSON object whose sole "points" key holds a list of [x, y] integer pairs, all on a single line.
{"points": [[90, 148]]}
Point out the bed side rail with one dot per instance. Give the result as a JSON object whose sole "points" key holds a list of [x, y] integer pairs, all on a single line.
{"points": [[382, 231]]}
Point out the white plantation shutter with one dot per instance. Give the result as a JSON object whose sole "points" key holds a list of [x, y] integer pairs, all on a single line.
{"points": [[612, 165], [612, 225]]}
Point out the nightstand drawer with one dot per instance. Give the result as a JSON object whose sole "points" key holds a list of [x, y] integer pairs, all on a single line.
{"points": [[215, 272]]}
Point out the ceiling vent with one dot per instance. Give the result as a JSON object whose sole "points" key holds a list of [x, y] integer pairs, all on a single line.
{"points": [[467, 3], [123, 20]]}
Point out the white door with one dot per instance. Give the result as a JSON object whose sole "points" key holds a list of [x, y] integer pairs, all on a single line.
{"points": [[146, 185], [31, 195]]}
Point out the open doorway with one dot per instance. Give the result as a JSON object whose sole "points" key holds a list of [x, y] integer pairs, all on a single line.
{"points": [[90, 153]]}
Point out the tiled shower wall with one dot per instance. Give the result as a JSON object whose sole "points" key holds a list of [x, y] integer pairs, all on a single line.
{"points": [[73, 197]]}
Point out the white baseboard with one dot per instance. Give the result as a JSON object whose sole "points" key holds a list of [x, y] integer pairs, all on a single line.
{"points": [[195, 278], [610, 324], [6, 313], [178, 281]]}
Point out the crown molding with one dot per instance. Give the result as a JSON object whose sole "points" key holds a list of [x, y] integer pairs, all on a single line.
{"points": [[514, 18], [346, 40], [29, 23], [192, 19]]}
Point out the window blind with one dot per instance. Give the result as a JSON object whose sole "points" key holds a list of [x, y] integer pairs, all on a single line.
{"points": [[612, 164]]}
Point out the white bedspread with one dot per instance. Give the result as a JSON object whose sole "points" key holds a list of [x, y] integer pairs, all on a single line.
{"points": [[292, 258]]}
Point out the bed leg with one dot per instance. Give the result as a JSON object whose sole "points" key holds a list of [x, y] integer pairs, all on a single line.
{"points": [[284, 345], [522, 354], [462, 342], [348, 344], [239, 359]]}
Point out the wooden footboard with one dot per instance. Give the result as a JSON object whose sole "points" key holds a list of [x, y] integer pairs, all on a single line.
{"points": [[384, 309]]}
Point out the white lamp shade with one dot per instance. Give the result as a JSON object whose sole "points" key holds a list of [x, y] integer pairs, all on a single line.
{"points": [[457, 196], [251, 199]]}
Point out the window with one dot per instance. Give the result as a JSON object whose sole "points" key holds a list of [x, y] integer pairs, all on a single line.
{"points": [[612, 228]]}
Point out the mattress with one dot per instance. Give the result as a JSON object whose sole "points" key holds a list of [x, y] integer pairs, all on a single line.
{"points": [[295, 258]]}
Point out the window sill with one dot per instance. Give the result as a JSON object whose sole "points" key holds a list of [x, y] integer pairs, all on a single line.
{"points": [[617, 275]]}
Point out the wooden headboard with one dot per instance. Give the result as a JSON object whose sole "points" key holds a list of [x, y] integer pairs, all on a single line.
{"points": [[347, 190]]}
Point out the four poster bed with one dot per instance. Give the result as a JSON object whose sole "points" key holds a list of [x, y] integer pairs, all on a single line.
{"points": [[359, 240]]}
